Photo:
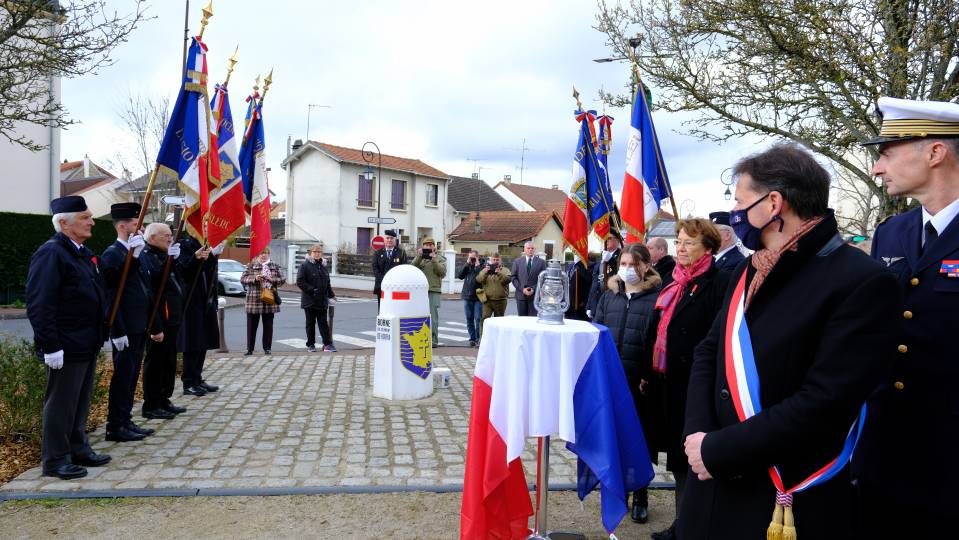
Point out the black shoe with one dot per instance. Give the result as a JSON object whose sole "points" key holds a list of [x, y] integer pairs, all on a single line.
{"points": [[141, 430], [311, 348], [436, 344], [472, 343], [67, 472], [665, 534], [194, 391], [175, 410], [248, 353], [92, 460], [125, 434], [639, 513], [158, 414], [210, 388], [267, 352]]}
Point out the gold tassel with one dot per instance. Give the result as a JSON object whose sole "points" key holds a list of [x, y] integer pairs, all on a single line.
{"points": [[775, 530], [789, 525]]}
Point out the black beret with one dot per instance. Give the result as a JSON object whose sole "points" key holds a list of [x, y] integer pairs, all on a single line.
{"points": [[390, 232], [71, 203], [719, 218], [125, 210]]}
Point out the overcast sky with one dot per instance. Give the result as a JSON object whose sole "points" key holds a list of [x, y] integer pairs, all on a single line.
{"points": [[444, 82]]}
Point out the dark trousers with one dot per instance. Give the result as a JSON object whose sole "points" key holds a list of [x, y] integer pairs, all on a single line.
{"points": [[524, 305], [159, 371], [314, 317], [123, 384], [192, 368], [494, 308], [883, 515], [65, 409], [252, 322], [473, 309]]}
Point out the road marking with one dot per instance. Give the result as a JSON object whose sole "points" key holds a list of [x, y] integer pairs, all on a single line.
{"points": [[369, 333], [449, 337], [457, 324], [350, 340], [296, 343], [457, 330], [350, 300]]}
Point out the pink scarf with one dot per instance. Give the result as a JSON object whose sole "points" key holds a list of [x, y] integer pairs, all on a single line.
{"points": [[669, 299]]}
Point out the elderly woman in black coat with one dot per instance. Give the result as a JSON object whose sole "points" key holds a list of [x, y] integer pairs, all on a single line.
{"points": [[626, 307], [684, 313], [821, 319]]}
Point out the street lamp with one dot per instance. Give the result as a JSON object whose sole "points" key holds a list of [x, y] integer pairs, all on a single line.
{"points": [[633, 42], [368, 158], [688, 206], [723, 178]]}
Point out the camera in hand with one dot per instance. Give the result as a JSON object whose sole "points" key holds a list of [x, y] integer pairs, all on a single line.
{"points": [[493, 267], [427, 253]]}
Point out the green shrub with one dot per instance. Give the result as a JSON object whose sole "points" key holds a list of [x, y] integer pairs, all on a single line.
{"points": [[23, 382]]}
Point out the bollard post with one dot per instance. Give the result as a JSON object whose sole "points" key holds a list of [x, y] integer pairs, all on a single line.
{"points": [[450, 271], [221, 315]]}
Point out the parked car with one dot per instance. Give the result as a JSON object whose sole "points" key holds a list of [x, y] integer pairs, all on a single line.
{"points": [[229, 277]]}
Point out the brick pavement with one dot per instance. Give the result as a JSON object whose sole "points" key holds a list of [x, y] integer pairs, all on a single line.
{"points": [[299, 421]]}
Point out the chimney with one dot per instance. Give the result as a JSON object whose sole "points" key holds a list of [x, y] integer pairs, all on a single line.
{"points": [[297, 144], [555, 186], [475, 176], [86, 166], [507, 179]]}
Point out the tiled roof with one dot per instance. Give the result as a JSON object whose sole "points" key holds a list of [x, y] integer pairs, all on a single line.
{"points": [[163, 182], [469, 195], [541, 199], [395, 163], [509, 227], [73, 182]]}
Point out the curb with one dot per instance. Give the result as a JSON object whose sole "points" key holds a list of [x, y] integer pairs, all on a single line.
{"points": [[265, 492]]}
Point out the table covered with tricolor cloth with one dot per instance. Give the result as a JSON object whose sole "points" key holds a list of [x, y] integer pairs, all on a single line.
{"points": [[534, 380]]}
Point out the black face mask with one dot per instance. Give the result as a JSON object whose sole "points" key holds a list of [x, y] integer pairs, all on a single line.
{"points": [[750, 236]]}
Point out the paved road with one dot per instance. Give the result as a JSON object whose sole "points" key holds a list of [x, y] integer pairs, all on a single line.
{"points": [[353, 325]]}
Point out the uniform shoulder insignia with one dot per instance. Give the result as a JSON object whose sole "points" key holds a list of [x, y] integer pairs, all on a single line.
{"points": [[885, 219]]}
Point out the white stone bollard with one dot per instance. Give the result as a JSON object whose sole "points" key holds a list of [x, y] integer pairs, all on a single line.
{"points": [[450, 278], [403, 365]]}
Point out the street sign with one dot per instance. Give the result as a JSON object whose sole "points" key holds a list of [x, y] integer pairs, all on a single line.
{"points": [[381, 220], [175, 200], [378, 242]]}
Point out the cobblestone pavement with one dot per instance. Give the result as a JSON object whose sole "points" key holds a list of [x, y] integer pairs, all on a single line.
{"points": [[298, 421]]}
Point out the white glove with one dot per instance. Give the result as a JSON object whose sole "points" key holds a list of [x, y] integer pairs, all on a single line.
{"points": [[121, 342], [607, 255], [219, 249], [174, 250], [54, 360], [589, 313], [136, 244], [333, 300]]}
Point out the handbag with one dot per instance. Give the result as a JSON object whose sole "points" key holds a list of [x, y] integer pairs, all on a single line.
{"points": [[268, 297], [481, 294]]}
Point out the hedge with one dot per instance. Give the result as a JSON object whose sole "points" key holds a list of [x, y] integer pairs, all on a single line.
{"points": [[22, 235]]}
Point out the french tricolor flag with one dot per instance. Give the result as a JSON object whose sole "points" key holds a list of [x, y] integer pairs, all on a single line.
{"points": [[574, 387]]}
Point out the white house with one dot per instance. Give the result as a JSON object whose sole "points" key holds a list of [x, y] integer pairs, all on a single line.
{"points": [[329, 199], [30, 180], [98, 186]]}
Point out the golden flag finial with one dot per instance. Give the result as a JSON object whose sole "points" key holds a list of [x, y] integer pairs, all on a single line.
{"points": [[256, 85], [579, 104], [231, 63], [266, 84], [207, 13]]}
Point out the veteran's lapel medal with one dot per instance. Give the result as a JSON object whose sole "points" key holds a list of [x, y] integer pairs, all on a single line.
{"points": [[891, 260], [950, 268]]}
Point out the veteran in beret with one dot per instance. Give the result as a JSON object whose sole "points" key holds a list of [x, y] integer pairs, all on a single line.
{"points": [[905, 462], [385, 258], [67, 308], [728, 257]]}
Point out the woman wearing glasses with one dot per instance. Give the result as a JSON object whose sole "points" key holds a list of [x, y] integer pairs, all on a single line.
{"points": [[684, 313]]}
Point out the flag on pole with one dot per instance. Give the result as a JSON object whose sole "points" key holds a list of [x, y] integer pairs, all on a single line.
{"points": [[646, 183], [600, 207], [227, 212], [255, 185], [184, 152], [604, 145]]}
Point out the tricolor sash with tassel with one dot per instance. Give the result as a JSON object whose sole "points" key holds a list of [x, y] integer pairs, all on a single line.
{"points": [[743, 380]]}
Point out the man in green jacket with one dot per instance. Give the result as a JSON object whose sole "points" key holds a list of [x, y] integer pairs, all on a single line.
{"points": [[433, 266], [495, 280]]}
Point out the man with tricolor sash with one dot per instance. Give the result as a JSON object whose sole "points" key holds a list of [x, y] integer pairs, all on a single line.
{"points": [[905, 465], [776, 390]]}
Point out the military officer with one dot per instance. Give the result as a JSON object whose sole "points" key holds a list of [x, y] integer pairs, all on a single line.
{"points": [[67, 308], [385, 258], [728, 257], [129, 330], [606, 266], [905, 461]]}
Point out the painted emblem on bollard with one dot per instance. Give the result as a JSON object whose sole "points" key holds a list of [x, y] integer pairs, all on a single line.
{"points": [[416, 353]]}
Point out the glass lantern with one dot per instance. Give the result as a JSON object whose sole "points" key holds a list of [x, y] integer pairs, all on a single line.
{"points": [[552, 294]]}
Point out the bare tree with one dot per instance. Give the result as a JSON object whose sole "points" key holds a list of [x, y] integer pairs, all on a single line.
{"points": [[810, 71], [145, 118], [42, 39]]}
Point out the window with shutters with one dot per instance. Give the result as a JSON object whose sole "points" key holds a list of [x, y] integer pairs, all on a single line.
{"points": [[365, 192], [432, 195], [398, 195]]}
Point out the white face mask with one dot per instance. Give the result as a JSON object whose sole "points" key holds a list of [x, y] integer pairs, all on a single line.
{"points": [[628, 274]]}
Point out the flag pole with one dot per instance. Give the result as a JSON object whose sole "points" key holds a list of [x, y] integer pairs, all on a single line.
{"points": [[639, 88], [613, 212]]}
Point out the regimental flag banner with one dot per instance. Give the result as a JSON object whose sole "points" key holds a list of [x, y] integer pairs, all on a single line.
{"points": [[604, 146], [184, 152], [227, 212], [645, 184], [600, 206], [255, 185]]}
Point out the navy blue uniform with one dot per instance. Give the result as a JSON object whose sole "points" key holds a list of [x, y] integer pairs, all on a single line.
{"points": [[159, 366], [913, 417], [67, 308], [730, 260], [580, 279], [200, 330]]}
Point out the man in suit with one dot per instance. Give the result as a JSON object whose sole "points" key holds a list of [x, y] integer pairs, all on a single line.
{"points": [[384, 259], [579, 282], [526, 271], [129, 330], [914, 414], [606, 266], [728, 256], [663, 262], [67, 308]]}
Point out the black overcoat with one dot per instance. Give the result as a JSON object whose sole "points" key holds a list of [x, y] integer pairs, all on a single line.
{"points": [[914, 413], [579, 281], [66, 300], [314, 282], [200, 330], [665, 268], [170, 309], [666, 394], [383, 264], [822, 327], [600, 274]]}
